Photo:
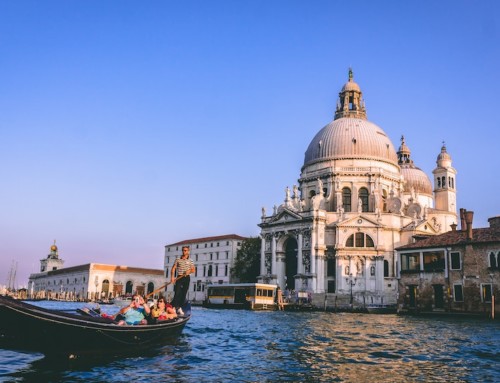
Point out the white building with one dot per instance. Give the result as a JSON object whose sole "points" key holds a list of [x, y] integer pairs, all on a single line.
{"points": [[357, 199], [90, 281], [213, 257]]}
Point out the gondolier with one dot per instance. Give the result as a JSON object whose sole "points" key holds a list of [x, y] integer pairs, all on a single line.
{"points": [[184, 266]]}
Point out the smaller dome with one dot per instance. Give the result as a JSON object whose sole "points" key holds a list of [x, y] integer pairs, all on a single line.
{"points": [[53, 248], [443, 159], [444, 154], [351, 86], [416, 179]]}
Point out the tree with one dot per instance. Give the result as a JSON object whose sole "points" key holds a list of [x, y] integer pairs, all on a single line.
{"points": [[247, 263]]}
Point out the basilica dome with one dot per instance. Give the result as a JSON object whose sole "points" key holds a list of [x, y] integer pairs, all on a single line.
{"points": [[351, 138], [350, 135]]}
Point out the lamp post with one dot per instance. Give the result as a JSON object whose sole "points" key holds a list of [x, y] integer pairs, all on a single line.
{"points": [[96, 282], [351, 281]]}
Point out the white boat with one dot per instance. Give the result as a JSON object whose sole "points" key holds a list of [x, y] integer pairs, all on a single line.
{"points": [[252, 296]]}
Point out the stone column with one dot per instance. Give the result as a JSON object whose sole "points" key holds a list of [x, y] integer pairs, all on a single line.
{"points": [[263, 270], [273, 254], [300, 265]]}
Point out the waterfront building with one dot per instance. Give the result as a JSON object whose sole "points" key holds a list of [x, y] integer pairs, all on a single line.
{"points": [[357, 200], [90, 281], [458, 271], [213, 258]]}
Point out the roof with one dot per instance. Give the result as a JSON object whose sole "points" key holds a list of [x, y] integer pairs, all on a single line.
{"points": [[456, 238], [347, 138], [208, 239]]}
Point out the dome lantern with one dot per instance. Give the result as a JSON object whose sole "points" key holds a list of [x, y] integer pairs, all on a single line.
{"points": [[351, 103]]}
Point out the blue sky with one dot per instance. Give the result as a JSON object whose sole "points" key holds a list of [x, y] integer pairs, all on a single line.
{"points": [[129, 125]]}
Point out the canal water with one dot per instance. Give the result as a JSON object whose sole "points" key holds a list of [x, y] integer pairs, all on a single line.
{"points": [[245, 346]]}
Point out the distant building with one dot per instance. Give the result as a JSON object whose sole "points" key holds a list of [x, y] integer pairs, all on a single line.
{"points": [[458, 271], [90, 281], [213, 257], [357, 199]]}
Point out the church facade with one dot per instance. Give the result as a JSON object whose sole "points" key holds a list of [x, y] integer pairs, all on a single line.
{"points": [[356, 201]]}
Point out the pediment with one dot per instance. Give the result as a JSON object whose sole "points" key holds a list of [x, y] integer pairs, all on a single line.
{"points": [[359, 221], [286, 215], [422, 227]]}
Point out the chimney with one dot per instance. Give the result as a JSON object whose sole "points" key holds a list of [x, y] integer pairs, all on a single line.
{"points": [[462, 219], [469, 215], [494, 222], [453, 226]]}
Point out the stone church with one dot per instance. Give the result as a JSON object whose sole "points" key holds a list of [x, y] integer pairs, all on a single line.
{"points": [[357, 199]]}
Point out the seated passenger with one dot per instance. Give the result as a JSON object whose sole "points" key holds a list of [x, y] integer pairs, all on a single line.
{"points": [[135, 313], [162, 310]]}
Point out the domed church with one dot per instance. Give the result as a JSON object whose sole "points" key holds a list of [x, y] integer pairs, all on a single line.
{"points": [[357, 199]]}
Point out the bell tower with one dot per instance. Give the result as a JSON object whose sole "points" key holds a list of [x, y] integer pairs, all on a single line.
{"points": [[445, 192], [52, 262]]}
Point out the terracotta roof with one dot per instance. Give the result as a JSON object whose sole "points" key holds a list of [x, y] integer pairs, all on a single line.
{"points": [[208, 239], [454, 238]]}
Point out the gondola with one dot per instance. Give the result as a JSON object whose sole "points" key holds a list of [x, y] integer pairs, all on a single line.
{"points": [[28, 327]]}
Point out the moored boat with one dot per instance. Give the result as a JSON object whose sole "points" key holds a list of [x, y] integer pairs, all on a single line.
{"points": [[25, 326], [253, 296]]}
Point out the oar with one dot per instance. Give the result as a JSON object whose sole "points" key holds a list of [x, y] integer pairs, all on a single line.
{"points": [[165, 285]]}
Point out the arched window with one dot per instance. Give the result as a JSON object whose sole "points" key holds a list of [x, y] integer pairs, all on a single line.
{"points": [[363, 196], [151, 287], [359, 240], [312, 193], [209, 271], [346, 199], [439, 182], [443, 182], [372, 271], [128, 287], [386, 268]]}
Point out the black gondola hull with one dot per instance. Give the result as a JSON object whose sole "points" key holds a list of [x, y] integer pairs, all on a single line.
{"points": [[24, 326]]}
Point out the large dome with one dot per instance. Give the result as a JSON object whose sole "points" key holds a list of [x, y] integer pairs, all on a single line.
{"points": [[346, 138]]}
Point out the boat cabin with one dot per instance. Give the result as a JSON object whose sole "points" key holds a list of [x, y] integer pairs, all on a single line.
{"points": [[253, 296]]}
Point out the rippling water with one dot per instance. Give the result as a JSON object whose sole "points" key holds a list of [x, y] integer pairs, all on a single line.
{"points": [[244, 346]]}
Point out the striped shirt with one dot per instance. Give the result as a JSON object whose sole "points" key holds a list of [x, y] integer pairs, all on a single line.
{"points": [[184, 265]]}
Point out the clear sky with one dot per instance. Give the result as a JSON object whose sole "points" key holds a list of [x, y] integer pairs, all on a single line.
{"points": [[126, 125]]}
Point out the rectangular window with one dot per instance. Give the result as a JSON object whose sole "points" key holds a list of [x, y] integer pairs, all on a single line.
{"points": [[434, 260], [458, 293], [217, 255], [227, 254], [455, 260], [486, 292], [360, 240], [410, 262], [211, 256]]}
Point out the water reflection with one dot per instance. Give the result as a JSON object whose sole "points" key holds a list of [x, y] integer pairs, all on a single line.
{"points": [[244, 346]]}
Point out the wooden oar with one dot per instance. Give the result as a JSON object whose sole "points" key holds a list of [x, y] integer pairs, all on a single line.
{"points": [[165, 285]]}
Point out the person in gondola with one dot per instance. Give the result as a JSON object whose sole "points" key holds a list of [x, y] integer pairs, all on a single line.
{"points": [[162, 311], [184, 266], [136, 312]]}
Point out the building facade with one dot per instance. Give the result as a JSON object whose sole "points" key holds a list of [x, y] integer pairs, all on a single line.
{"points": [[213, 258], [90, 281], [356, 201], [458, 271]]}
